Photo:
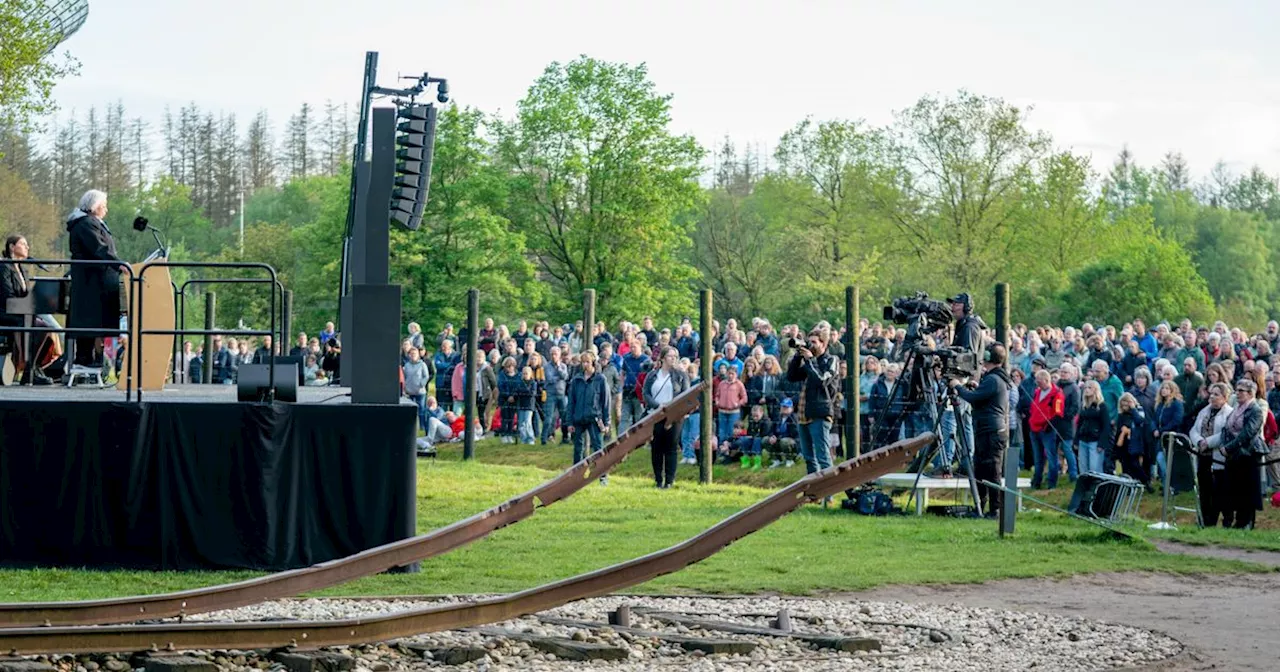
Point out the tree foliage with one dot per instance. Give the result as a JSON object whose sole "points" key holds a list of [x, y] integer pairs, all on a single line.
{"points": [[28, 67], [597, 182], [1149, 278]]}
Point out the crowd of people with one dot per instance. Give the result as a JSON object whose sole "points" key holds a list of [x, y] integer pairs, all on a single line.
{"points": [[1081, 399]]}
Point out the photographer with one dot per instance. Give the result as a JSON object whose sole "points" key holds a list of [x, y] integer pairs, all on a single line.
{"points": [[968, 336], [990, 402], [819, 373]]}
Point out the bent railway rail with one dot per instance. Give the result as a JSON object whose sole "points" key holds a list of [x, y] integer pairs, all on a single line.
{"points": [[312, 634], [365, 563]]}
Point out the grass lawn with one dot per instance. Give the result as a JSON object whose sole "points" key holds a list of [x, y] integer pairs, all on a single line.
{"points": [[810, 551]]}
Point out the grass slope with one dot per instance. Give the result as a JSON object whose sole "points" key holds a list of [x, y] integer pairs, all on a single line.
{"points": [[811, 550]]}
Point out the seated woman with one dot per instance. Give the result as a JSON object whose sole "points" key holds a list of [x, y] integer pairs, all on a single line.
{"points": [[15, 284]]}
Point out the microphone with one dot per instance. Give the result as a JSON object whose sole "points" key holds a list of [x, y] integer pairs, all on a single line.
{"points": [[140, 223]]}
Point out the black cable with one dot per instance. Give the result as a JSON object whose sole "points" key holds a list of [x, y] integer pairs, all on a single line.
{"points": [[336, 396]]}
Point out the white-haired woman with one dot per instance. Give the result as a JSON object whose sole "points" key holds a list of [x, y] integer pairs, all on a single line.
{"points": [[95, 288]]}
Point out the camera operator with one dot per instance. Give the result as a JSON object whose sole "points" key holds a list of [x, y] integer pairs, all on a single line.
{"points": [[990, 402], [819, 371], [968, 336]]}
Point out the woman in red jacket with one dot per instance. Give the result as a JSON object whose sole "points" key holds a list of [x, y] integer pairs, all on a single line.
{"points": [[1047, 405]]}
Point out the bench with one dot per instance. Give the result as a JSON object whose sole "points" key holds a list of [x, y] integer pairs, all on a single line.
{"points": [[960, 483]]}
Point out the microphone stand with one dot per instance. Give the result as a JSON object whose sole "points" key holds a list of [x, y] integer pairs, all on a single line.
{"points": [[161, 251]]}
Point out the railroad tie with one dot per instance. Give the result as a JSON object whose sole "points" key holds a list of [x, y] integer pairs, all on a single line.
{"points": [[836, 642], [707, 645]]}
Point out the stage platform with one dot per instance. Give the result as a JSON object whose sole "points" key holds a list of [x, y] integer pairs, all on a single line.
{"points": [[192, 479]]}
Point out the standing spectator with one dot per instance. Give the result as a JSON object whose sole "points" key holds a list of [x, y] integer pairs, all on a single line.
{"points": [[633, 364], [1064, 427], [692, 427], [327, 334], [1145, 340], [224, 369], [415, 336], [416, 378], [556, 376], [750, 444], [609, 365], [1242, 443], [1131, 438], [1047, 405], [870, 371], [730, 397], [820, 373], [445, 361], [1191, 349], [587, 406], [263, 354], [1092, 428], [508, 381], [1168, 418], [1206, 436], [660, 387], [301, 349], [525, 389]]}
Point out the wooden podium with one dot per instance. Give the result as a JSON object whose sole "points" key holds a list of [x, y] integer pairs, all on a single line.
{"points": [[156, 302]]}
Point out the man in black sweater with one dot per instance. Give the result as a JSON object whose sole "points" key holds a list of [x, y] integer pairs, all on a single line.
{"points": [[990, 401]]}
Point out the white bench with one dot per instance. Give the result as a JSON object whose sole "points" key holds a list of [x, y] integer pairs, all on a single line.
{"points": [[959, 482]]}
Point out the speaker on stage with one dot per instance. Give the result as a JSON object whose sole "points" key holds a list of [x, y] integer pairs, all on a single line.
{"points": [[253, 382]]}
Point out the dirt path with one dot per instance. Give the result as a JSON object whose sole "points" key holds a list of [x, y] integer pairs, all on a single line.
{"points": [[1229, 622]]}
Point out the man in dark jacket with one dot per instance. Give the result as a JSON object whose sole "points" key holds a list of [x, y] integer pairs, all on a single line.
{"points": [[819, 373], [1066, 425], [587, 407], [95, 288], [968, 335], [990, 401]]}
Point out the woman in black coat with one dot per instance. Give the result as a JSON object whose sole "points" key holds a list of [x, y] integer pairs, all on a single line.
{"points": [[1242, 443], [95, 288]]}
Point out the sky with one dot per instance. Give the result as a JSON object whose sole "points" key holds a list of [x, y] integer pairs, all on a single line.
{"points": [[1194, 77]]}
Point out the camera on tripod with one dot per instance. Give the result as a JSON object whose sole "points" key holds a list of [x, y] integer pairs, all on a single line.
{"points": [[924, 316]]}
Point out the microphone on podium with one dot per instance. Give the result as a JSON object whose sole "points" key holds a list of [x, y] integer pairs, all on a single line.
{"points": [[141, 223]]}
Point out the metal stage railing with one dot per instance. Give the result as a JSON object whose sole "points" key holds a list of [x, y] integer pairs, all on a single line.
{"points": [[180, 296], [274, 281], [134, 312]]}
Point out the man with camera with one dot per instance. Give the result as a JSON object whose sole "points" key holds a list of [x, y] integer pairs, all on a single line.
{"points": [[819, 373], [968, 336], [990, 404]]}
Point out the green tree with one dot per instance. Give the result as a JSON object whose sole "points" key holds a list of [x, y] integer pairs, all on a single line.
{"points": [[955, 174], [1231, 254], [22, 212], [1151, 278], [28, 67], [465, 240], [597, 181]]}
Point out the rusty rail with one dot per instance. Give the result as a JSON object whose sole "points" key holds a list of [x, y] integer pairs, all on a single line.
{"points": [[365, 563], [312, 634]]}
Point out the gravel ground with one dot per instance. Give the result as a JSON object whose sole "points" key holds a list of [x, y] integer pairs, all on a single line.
{"points": [[982, 638]]}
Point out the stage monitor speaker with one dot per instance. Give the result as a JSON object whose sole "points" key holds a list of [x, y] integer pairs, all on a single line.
{"points": [[373, 347], [253, 381], [292, 361]]}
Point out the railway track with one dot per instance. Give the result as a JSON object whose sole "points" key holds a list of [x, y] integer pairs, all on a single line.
{"points": [[315, 634], [349, 568]]}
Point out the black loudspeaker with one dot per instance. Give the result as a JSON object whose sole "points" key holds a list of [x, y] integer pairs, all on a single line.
{"points": [[372, 349], [292, 362], [253, 381]]}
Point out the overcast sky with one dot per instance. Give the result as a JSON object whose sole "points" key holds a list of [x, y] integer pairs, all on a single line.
{"points": [[1156, 75]]}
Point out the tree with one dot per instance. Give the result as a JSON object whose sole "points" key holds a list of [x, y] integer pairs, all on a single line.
{"points": [[1127, 184], [733, 248], [954, 175], [597, 181], [1150, 278], [1232, 256], [22, 212], [28, 67], [1174, 174]]}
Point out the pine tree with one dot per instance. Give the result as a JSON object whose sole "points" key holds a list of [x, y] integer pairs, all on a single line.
{"points": [[258, 163]]}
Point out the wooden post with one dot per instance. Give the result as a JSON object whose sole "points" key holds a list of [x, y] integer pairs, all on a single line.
{"points": [[473, 340], [1009, 509], [210, 317], [286, 322], [588, 321], [852, 388], [704, 355]]}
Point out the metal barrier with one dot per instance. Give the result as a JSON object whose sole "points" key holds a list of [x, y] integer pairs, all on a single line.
{"points": [[134, 311], [94, 331], [274, 281], [180, 296]]}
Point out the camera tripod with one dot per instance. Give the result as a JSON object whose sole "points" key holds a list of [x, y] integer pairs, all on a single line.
{"points": [[928, 397]]}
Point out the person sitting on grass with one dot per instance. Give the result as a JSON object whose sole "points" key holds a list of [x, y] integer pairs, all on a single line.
{"points": [[751, 443], [782, 442]]}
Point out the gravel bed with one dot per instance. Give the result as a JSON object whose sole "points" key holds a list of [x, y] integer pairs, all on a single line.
{"points": [[912, 638]]}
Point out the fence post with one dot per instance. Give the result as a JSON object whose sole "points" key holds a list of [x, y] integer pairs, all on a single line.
{"points": [[286, 322], [704, 356], [473, 340], [210, 314], [589, 323], [852, 409], [1009, 509]]}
